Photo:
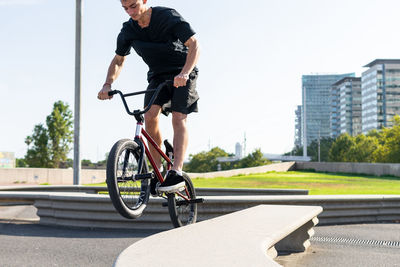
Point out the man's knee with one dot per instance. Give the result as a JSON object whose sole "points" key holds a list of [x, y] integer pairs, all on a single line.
{"points": [[152, 115], [179, 119]]}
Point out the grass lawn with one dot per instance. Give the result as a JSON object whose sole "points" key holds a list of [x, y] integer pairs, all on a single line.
{"points": [[316, 183]]}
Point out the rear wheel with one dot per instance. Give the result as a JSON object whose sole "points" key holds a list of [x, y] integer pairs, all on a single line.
{"points": [[181, 211], [128, 195]]}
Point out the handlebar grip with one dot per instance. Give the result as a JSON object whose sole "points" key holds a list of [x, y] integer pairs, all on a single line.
{"points": [[111, 93]]}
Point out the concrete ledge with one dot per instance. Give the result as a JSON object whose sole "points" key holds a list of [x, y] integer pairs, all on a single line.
{"points": [[55, 188], [91, 210], [377, 169], [246, 238], [199, 191]]}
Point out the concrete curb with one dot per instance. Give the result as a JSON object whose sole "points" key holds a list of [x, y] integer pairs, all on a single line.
{"points": [[90, 210], [200, 191]]}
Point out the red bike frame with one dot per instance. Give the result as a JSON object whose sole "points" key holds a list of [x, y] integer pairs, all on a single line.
{"points": [[140, 132]]}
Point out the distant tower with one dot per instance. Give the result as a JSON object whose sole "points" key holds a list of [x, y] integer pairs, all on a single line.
{"points": [[238, 151]]}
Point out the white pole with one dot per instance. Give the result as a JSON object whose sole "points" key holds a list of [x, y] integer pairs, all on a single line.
{"points": [[77, 108]]}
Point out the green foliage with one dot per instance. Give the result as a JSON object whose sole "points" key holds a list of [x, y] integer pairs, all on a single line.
{"points": [[38, 154], [59, 125], [389, 150], [87, 163], [325, 144], [296, 151], [208, 161], [375, 146], [21, 163], [51, 145], [252, 160], [363, 149], [340, 148], [69, 163]]}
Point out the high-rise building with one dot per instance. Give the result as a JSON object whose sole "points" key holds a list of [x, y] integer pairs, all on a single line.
{"points": [[346, 107], [380, 93], [334, 111], [298, 128], [316, 104]]}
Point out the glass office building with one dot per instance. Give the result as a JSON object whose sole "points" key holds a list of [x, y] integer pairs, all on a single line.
{"points": [[334, 111], [346, 107], [317, 104], [380, 92]]}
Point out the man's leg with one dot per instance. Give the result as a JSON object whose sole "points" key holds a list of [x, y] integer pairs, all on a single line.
{"points": [[174, 180], [181, 139], [151, 119]]}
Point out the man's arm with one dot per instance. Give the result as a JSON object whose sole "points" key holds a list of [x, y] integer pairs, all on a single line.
{"points": [[191, 61], [112, 74]]}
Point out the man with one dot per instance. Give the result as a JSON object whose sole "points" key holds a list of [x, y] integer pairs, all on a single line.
{"points": [[167, 44]]}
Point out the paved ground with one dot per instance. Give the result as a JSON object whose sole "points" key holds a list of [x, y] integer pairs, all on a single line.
{"points": [[25, 243], [375, 245]]}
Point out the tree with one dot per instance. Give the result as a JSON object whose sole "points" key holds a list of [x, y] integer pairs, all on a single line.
{"points": [[21, 163], [363, 149], [389, 149], [296, 151], [59, 125], [51, 145], [206, 161], [252, 160], [38, 154], [339, 149], [325, 144]]}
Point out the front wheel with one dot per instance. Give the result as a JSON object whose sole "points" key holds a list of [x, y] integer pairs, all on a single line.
{"points": [[128, 195], [181, 211]]}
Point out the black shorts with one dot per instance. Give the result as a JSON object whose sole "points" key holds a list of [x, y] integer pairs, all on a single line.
{"points": [[182, 99]]}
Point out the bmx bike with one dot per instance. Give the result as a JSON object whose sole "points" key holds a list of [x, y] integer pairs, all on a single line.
{"points": [[130, 168]]}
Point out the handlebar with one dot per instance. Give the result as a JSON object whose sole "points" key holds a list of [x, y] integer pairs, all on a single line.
{"points": [[153, 98]]}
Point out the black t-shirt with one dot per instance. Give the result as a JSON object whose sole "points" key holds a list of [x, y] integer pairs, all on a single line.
{"points": [[161, 44]]}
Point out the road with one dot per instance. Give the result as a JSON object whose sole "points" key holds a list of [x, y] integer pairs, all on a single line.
{"points": [[23, 242]]}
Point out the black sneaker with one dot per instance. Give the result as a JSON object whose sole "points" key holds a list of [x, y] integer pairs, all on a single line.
{"points": [[172, 183]]}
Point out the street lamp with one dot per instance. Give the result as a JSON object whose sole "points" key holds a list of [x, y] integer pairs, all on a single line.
{"points": [[77, 106]]}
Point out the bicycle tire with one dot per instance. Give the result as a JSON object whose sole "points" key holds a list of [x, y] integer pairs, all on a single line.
{"points": [[181, 212], [129, 196]]}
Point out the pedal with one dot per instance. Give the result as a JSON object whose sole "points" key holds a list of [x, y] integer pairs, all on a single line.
{"points": [[169, 150], [159, 194], [144, 176]]}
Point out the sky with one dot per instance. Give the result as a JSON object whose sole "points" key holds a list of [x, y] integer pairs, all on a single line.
{"points": [[253, 54]]}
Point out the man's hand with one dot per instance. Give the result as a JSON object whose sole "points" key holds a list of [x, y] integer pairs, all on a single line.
{"points": [[181, 79], [103, 93]]}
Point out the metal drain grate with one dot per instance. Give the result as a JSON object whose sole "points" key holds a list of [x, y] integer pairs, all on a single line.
{"points": [[356, 241]]}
